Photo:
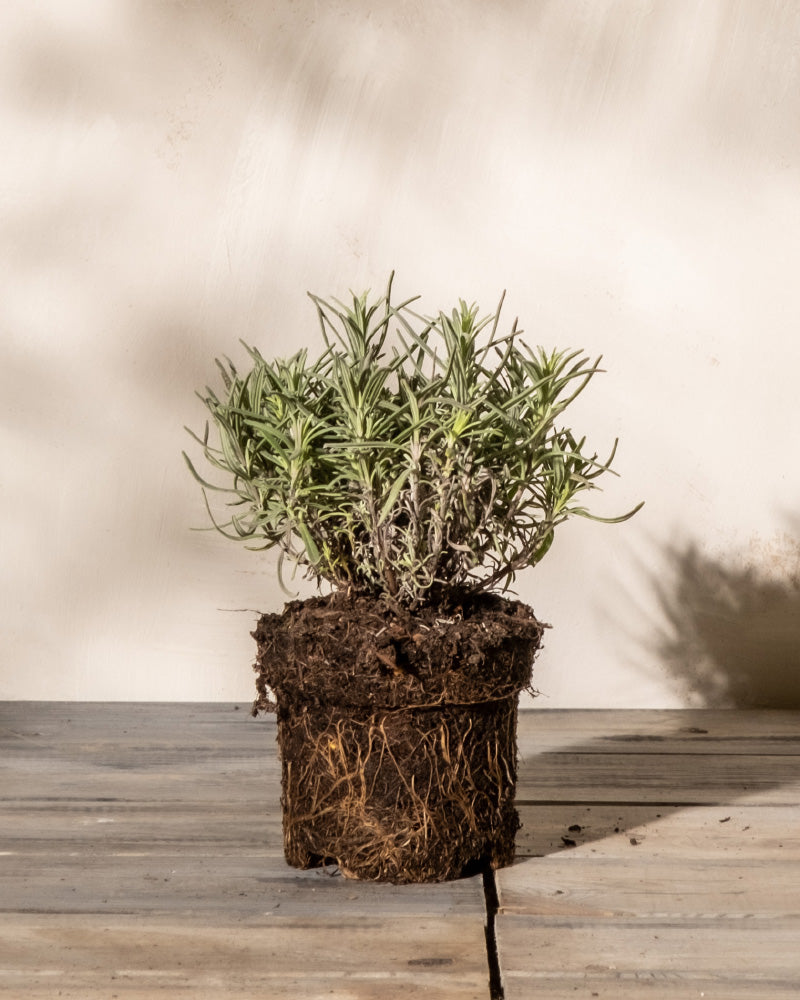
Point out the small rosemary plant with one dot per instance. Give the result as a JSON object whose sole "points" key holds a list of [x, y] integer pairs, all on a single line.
{"points": [[413, 458]]}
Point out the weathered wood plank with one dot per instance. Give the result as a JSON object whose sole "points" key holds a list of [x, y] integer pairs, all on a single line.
{"points": [[116, 753], [589, 888], [644, 986], [660, 757], [227, 725], [669, 778], [141, 855], [763, 832], [535, 950], [89, 958], [162, 821], [241, 886], [684, 877], [61, 728], [109, 717], [642, 731], [196, 827]]}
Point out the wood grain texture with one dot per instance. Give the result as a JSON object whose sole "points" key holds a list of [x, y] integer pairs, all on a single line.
{"points": [[645, 731], [315, 956], [141, 856], [660, 830], [651, 889], [687, 949], [679, 778], [659, 857], [649, 986]]}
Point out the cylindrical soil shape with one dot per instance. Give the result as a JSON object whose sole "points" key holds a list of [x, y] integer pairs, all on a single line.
{"points": [[408, 795], [398, 758]]}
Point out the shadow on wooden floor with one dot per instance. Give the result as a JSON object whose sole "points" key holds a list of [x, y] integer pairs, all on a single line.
{"points": [[640, 768], [659, 856]]}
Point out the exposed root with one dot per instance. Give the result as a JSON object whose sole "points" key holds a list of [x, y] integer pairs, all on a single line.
{"points": [[404, 796]]}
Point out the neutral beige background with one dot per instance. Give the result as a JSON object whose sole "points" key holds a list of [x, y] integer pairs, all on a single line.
{"points": [[175, 176]]}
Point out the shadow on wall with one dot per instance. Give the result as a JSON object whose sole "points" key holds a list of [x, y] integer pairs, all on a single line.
{"points": [[732, 633]]}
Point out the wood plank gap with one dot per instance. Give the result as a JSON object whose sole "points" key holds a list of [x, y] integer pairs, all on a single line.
{"points": [[496, 991]]}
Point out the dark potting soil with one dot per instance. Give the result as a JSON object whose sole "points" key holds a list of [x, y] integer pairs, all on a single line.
{"points": [[358, 651], [397, 732]]}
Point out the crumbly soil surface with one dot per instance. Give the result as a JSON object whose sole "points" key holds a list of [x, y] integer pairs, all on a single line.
{"points": [[356, 651], [397, 732]]}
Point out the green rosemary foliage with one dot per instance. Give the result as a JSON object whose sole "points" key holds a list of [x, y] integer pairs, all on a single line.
{"points": [[413, 458]]}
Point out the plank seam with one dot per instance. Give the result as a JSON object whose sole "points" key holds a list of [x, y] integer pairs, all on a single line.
{"points": [[496, 990]]}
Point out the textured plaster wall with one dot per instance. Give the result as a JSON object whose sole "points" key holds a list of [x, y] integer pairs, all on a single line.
{"points": [[175, 176]]}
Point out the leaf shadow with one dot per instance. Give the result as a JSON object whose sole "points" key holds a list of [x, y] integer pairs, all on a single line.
{"points": [[731, 633]]}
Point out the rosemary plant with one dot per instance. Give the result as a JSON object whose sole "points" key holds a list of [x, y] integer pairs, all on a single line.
{"points": [[414, 457]]}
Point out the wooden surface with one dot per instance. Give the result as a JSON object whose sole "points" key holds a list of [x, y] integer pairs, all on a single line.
{"points": [[140, 856], [659, 858]]}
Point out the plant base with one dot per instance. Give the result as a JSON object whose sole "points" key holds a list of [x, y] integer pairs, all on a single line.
{"points": [[398, 760]]}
